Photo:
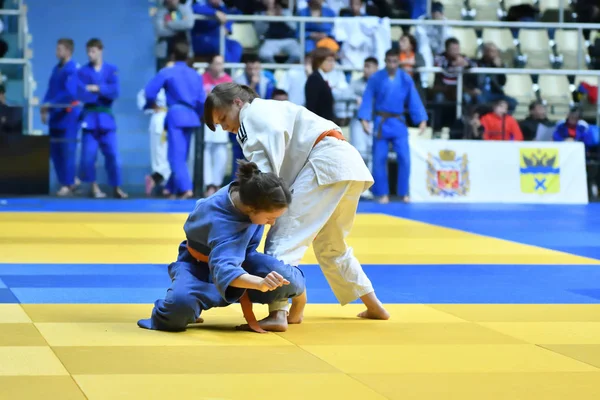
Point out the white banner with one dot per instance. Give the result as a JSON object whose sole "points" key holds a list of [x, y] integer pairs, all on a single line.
{"points": [[468, 171]]}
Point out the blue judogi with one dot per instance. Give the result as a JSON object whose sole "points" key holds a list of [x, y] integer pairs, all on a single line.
{"points": [[384, 102], [63, 122], [206, 34], [219, 230], [310, 27], [99, 128], [237, 154], [185, 102]]}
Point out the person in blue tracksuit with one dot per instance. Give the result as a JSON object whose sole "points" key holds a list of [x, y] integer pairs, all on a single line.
{"points": [[98, 88], [218, 263], [60, 111], [185, 102], [206, 33], [573, 129], [389, 95]]}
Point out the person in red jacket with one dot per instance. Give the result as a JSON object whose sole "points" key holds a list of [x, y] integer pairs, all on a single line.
{"points": [[498, 125]]}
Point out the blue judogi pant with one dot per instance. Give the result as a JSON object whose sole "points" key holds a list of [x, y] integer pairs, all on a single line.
{"points": [[192, 291], [397, 136], [107, 141], [63, 148], [178, 142], [238, 154]]}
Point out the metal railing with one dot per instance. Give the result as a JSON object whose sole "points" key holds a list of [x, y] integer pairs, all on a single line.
{"points": [[23, 34], [459, 85], [409, 22]]}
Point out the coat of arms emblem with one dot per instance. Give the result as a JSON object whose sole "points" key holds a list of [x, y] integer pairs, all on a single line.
{"points": [[447, 174]]}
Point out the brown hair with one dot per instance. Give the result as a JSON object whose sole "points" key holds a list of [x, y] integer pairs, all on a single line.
{"points": [[97, 43], [261, 191], [223, 96], [319, 55], [68, 43]]}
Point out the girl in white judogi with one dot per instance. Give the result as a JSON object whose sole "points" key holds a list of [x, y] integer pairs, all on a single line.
{"points": [[326, 175], [161, 171]]}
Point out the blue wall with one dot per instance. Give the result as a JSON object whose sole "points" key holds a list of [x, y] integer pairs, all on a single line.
{"points": [[125, 28]]}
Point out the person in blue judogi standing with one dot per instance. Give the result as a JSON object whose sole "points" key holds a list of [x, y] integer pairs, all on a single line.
{"points": [[185, 102], [98, 88], [389, 95], [218, 263], [60, 105]]}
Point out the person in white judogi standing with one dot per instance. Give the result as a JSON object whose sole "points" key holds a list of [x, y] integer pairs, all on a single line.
{"points": [[326, 175], [158, 141]]}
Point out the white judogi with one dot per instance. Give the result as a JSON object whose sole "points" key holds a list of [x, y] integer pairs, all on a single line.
{"points": [[215, 155], [158, 134], [326, 182]]}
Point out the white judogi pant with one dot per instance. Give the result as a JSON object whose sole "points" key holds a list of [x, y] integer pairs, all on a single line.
{"points": [[215, 163], [361, 141], [158, 145], [322, 215], [215, 155]]}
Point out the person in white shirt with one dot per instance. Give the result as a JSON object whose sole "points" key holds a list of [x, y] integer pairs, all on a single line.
{"points": [[431, 38], [326, 175]]}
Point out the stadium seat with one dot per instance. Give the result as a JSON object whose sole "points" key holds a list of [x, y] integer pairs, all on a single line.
{"points": [[534, 43], [467, 39], [245, 34], [502, 38]]}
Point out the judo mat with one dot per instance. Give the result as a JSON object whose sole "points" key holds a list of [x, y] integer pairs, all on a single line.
{"points": [[487, 302]]}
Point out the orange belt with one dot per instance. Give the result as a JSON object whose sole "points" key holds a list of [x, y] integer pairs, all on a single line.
{"points": [[244, 300], [332, 133]]}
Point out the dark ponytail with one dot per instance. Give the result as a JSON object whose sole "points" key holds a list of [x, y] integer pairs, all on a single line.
{"points": [[261, 191]]}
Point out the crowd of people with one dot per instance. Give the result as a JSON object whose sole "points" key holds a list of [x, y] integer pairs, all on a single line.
{"points": [[376, 120]]}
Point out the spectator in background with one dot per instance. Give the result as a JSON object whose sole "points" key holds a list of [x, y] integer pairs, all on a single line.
{"points": [[254, 77], [362, 141], [172, 23], [158, 142], [337, 82], [215, 149], [3, 44], [280, 95], [588, 11], [319, 97], [316, 31], [499, 125], [573, 129], [492, 86], [469, 126], [98, 89], [432, 38], [452, 63], [410, 60], [335, 5], [184, 89], [63, 121], [206, 33], [278, 38], [389, 96], [294, 80], [537, 115]]}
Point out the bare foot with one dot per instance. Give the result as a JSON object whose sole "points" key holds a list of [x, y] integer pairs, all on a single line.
{"points": [[275, 322], [374, 309], [379, 313], [296, 314], [383, 200], [199, 320]]}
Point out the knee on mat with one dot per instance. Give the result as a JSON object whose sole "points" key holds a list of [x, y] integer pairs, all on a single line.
{"points": [[177, 312]]}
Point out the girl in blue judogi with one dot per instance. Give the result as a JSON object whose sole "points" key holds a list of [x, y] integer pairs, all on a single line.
{"points": [[218, 264]]}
